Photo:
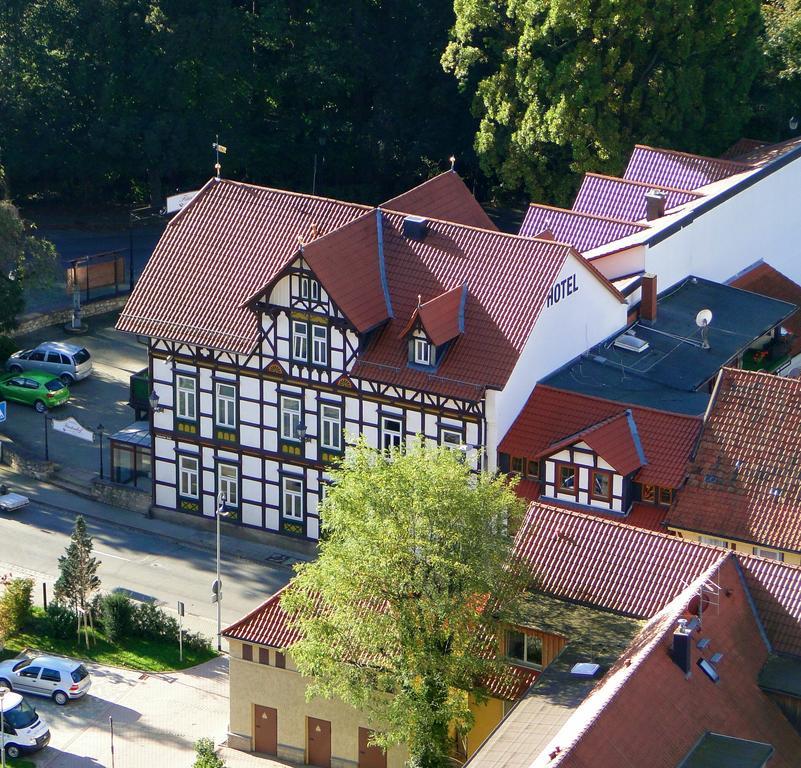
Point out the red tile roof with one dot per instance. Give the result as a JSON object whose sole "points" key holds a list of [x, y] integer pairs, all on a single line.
{"points": [[680, 170], [607, 565], [776, 590], [551, 415], [646, 712], [764, 279], [583, 231], [744, 482], [354, 275], [512, 686], [215, 254], [742, 147], [622, 198], [266, 625], [614, 438], [442, 317], [760, 155], [444, 197], [507, 277]]}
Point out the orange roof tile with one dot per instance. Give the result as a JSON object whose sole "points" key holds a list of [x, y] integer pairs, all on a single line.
{"points": [[764, 279], [442, 317], [266, 625], [744, 482], [551, 415], [608, 565], [680, 170], [444, 197]]}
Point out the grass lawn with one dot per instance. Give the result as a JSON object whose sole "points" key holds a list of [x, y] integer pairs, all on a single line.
{"points": [[19, 763], [134, 653]]}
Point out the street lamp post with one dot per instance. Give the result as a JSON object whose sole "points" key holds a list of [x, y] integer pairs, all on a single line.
{"points": [[218, 583], [3, 692]]}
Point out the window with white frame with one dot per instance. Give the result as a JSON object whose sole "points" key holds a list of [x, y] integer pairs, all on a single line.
{"points": [[228, 483], [319, 345], [300, 340], [225, 411], [186, 388], [771, 554], [304, 287], [524, 648], [450, 438], [421, 353], [188, 474], [293, 498], [314, 289], [331, 427], [714, 541], [391, 432], [290, 418], [309, 289]]}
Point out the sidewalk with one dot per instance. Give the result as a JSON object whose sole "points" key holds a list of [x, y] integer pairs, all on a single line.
{"points": [[46, 494]]}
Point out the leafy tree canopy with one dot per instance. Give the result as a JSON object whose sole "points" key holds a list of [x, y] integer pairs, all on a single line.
{"points": [[566, 86], [78, 577], [413, 545]]}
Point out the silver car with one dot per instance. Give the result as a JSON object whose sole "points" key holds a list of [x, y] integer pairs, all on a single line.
{"points": [[58, 678], [69, 362]]}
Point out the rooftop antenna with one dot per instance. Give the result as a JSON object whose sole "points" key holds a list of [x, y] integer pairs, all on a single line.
{"points": [[702, 320], [219, 149], [452, 158]]}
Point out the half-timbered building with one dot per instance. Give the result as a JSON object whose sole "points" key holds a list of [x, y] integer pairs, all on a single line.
{"points": [[281, 323]]}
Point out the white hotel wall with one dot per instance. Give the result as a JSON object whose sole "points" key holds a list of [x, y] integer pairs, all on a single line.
{"points": [[563, 331], [760, 222]]}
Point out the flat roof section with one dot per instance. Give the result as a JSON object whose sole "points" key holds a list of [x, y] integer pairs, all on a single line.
{"points": [[718, 751]]}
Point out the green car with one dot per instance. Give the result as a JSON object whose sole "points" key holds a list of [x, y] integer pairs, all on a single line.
{"points": [[41, 390]]}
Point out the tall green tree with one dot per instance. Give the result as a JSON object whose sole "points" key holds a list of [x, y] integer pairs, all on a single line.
{"points": [[566, 86], [393, 614], [78, 578]]}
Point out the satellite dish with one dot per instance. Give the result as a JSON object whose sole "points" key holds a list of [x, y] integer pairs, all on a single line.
{"points": [[703, 318]]}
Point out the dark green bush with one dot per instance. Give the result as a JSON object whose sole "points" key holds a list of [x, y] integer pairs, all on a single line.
{"points": [[15, 604], [7, 346], [194, 641], [62, 622], [152, 622], [205, 756], [117, 616]]}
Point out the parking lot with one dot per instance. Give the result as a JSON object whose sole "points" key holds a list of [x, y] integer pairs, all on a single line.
{"points": [[100, 399]]}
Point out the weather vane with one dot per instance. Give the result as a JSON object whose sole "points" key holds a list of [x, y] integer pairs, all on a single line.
{"points": [[220, 150]]}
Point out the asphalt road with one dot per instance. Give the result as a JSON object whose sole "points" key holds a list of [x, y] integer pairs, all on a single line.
{"points": [[146, 565]]}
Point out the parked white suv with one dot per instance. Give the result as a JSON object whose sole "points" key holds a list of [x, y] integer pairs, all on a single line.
{"points": [[69, 362], [52, 676], [23, 730]]}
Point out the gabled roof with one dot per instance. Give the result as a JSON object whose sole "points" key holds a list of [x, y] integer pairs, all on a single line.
{"points": [[268, 624], [442, 317], [744, 482], [680, 170], [355, 275], [444, 197], [776, 591], [508, 276], [764, 279], [760, 155], [551, 415], [608, 565], [615, 439], [215, 254], [583, 231], [623, 198], [742, 147]]}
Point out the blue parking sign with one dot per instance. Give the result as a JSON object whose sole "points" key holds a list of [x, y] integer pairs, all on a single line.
{"points": [[2, 411]]}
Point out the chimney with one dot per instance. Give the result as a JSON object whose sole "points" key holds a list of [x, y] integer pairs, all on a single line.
{"points": [[682, 647], [655, 203], [415, 228], [648, 297]]}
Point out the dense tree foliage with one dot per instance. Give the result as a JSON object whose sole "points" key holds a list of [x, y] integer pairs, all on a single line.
{"points": [[571, 85], [392, 613], [119, 96], [78, 579]]}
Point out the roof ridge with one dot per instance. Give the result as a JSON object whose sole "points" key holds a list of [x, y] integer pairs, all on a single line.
{"points": [[290, 193], [744, 166], [422, 184], [609, 219], [258, 609], [635, 182], [630, 406]]}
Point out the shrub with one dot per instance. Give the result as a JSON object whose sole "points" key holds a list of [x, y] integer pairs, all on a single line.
{"points": [[117, 616], [152, 622], [205, 756], [15, 605], [194, 641], [7, 346], [62, 622]]}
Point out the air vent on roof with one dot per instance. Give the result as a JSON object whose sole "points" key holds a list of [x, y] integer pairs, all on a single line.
{"points": [[415, 227], [631, 343], [585, 669]]}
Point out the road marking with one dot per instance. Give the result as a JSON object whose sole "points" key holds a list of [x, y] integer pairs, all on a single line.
{"points": [[116, 557]]}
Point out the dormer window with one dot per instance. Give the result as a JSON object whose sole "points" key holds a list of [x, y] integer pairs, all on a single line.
{"points": [[421, 352]]}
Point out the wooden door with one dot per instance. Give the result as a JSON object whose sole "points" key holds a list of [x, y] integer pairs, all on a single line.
{"points": [[370, 756], [318, 742], [265, 734]]}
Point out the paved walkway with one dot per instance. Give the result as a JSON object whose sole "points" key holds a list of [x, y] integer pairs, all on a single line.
{"points": [[48, 495]]}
